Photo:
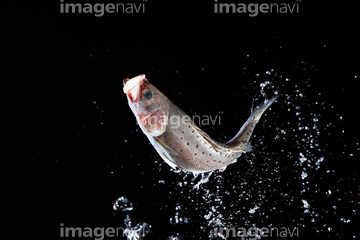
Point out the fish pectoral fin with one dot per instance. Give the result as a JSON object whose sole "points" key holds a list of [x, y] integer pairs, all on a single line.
{"points": [[166, 147], [166, 152]]}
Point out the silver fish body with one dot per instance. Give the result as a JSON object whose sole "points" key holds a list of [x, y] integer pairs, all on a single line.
{"points": [[184, 145]]}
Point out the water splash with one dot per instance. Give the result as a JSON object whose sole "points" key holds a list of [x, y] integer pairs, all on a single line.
{"points": [[137, 232], [245, 195], [204, 179], [141, 229], [179, 217]]}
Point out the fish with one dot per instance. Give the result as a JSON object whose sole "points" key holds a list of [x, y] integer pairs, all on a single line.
{"points": [[177, 139]]}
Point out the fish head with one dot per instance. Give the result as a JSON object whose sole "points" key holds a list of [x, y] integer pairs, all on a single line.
{"points": [[148, 105]]}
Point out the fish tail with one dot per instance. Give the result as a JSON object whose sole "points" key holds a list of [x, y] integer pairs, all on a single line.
{"points": [[261, 108], [242, 138], [247, 147]]}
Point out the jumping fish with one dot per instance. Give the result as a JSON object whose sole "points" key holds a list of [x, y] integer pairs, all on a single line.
{"points": [[185, 145]]}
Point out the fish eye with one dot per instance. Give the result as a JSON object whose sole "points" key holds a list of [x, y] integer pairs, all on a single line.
{"points": [[147, 95]]}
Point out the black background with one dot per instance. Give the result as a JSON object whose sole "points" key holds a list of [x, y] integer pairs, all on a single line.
{"points": [[74, 147]]}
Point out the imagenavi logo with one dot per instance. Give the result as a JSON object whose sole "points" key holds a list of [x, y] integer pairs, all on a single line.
{"points": [[253, 9], [99, 9]]}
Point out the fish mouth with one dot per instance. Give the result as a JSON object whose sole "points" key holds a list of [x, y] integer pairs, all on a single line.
{"points": [[129, 84], [132, 87]]}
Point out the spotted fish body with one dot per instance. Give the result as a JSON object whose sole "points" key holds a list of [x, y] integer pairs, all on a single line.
{"points": [[184, 145]]}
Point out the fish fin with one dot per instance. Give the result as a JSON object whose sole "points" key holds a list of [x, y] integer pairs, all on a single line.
{"points": [[258, 111], [247, 147], [241, 139], [166, 153]]}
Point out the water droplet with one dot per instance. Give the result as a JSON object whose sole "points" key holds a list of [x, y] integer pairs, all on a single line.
{"points": [[127, 221], [328, 193], [143, 229], [178, 218], [306, 204], [122, 204], [174, 237], [252, 210]]}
